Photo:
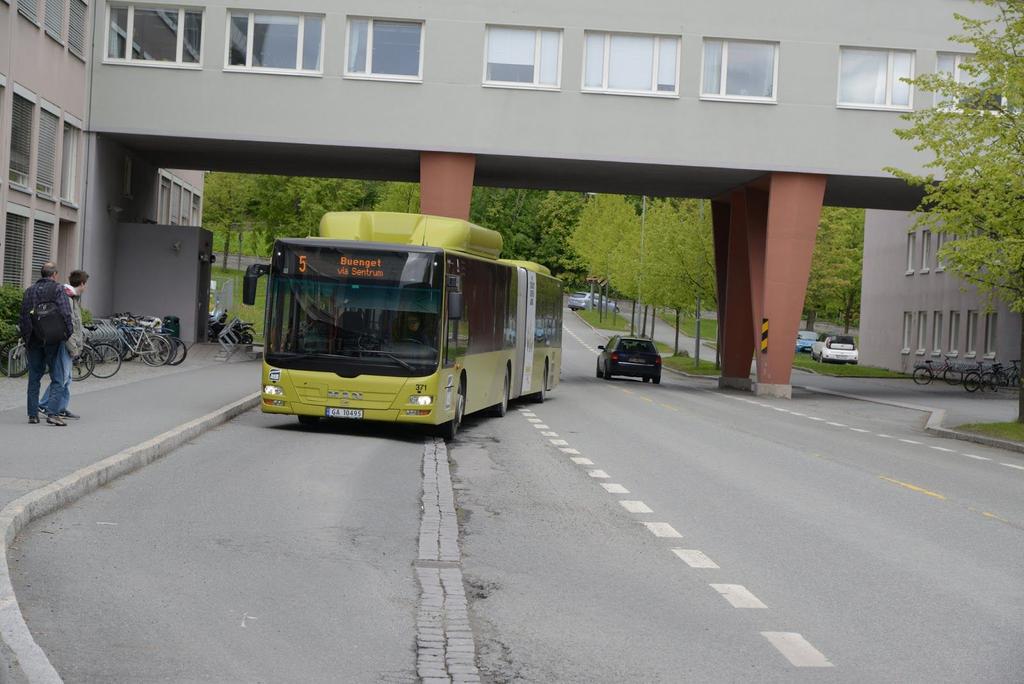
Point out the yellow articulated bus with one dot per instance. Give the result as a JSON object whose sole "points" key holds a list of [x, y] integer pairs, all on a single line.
{"points": [[404, 318]]}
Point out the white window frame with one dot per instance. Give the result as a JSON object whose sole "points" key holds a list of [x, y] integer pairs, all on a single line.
{"points": [[59, 36], [69, 196], [911, 249], [536, 59], [80, 54], [249, 68], [991, 330], [908, 330], [130, 30], [722, 96], [368, 75], [54, 157], [954, 333], [926, 251], [972, 334], [605, 90], [889, 81], [937, 331], [25, 94], [940, 240], [922, 332]]}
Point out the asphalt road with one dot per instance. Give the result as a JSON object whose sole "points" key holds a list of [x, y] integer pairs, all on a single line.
{"points": [[818, 538]]}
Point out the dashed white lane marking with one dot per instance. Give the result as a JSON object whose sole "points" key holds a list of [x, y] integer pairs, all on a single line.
{"points": [[635, 506], [779, 409], [660, 529], [559, 442], [802, 415], [978, 458], [542, 426], [910, 441], [1012, 465], [860, 430], [549, 434], [599, 474], [569, 450], [695, 558], [948, 451], [738, 595], [820, 420], [883, 436], [614, 488], [534, 420], [579, 460], [796, 649], [835, 424], [528, 414]]}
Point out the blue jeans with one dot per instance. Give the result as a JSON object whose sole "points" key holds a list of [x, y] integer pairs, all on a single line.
{"points": [[62, 369], [39, 360]]}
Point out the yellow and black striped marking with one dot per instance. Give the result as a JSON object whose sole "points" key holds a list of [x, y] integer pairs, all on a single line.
{"points": [[764, 335]]}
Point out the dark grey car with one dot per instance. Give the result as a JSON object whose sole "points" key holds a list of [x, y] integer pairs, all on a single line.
{"points": [[634, 357]]}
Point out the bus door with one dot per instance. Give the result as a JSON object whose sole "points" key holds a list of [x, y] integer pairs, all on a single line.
{"points": [[527, 325]]}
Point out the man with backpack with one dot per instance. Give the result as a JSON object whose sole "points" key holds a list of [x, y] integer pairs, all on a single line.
{"points": [[46, 321], [72, 347]]}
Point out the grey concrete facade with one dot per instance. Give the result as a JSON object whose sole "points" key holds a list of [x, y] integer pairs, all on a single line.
{"points": [[677, 143], [907, 293]]}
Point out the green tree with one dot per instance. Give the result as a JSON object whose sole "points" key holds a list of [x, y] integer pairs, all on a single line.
{"points": [[834, 284], [400, 197], [977, 145], [558, 213], [607, 238]]}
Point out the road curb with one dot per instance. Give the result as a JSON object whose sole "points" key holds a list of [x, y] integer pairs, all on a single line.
{"points": [[933, 426], [21, 657]]}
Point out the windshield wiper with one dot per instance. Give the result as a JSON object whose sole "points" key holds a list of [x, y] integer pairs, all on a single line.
{"points": [[303, 355], [390, 356]]}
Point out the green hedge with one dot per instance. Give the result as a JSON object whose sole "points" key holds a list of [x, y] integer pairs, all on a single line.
{"points": [[10, 309]]}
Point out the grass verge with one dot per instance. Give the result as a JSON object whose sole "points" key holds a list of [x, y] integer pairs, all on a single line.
{"points": [[1013, 432], [688, 327], [613, 321], [686, 363], [843, 370]]}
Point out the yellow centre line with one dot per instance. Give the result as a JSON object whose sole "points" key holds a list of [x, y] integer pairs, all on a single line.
{"points": [[913, 487], [670, 408]]}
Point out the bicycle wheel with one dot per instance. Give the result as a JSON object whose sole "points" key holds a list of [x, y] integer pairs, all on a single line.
{"points": [[17, 360], [923, 376], [81, 368], [154, 350], [989, 381], [5, 349], [179, 351], [106, 359], [972, 381], [952, 377]]}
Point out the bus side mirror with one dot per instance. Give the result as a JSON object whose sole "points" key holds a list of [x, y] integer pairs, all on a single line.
{"points": [[454, 306], [252, 274]]}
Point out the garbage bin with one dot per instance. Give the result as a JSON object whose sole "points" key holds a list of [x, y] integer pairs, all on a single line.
{"points": [[172, 325]]}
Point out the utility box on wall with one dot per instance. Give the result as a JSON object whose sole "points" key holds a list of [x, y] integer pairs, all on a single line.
{"points": [[164, 271]]}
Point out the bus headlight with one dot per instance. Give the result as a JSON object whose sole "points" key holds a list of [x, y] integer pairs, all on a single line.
{"points": [[421, 400], [273, 390]]}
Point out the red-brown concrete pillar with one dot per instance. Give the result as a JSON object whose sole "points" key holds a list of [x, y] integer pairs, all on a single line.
{"points": [[793, 211], [735, 317], [446, 183]]}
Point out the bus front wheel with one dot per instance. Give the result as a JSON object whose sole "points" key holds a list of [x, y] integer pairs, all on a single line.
{"points": [[450, 429]]}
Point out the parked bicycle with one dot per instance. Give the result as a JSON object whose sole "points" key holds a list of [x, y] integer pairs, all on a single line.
{"points": [[14, 359], [926, 371]]}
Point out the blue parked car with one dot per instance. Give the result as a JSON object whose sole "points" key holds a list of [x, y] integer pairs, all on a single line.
{"points": [[805, 340]]}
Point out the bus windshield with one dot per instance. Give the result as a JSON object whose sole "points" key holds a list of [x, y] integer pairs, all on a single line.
{"points": [[354, 311]]}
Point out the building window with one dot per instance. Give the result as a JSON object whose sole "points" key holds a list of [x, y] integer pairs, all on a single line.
{"points": [[922, 331], [926, 250], [21, 141], [873, 78], [908, 324], [173, 217], [164, 212], [631, 63], [69, 164], [972, 333], [168, 36], [29, 8], [53, 19], [936, 333], [911, 248], [940, 240], [42, 244], [990, 334], [385, 49], [740, 70], [524, 57], [275, 42], [14, 249], [46, 153], [952, 64], [197, 210], [77, 13], [954, 332]]}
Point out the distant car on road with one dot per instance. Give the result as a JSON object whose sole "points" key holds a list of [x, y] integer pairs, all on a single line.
{"points": [[835, 349], [583, 300], [630, 356], [805, 340]]}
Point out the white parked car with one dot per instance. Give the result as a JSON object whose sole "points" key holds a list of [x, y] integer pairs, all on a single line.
{"points": [[835, 349], [582, 300]]}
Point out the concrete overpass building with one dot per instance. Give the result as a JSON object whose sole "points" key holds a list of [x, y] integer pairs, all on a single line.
{"points": [[770, 109]]}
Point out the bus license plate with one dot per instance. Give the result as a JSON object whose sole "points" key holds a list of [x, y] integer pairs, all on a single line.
{"points": [[344, 413]]}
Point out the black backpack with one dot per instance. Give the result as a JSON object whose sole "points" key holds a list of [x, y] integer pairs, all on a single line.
{"points": [[47, 322]]}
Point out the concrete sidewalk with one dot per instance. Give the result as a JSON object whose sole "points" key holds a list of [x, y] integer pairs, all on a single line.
{"points": [[135, 405]]}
